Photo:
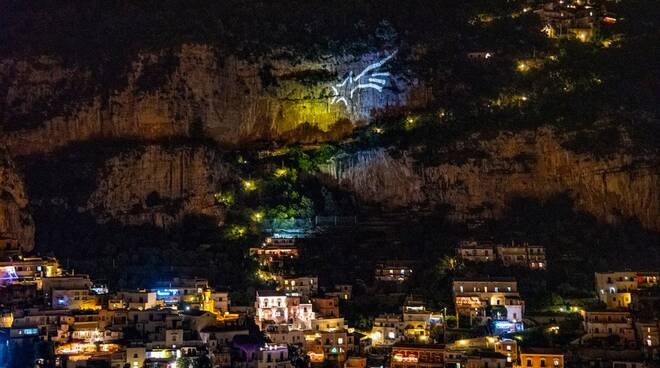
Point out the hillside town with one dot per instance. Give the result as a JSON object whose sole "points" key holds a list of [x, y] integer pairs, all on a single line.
{"points": [[69, 320], [472, 185]]}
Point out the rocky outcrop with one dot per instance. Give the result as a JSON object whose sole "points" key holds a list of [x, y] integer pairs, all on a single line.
{"points": [[531, 164], [16, 225], [193, 90], [129, 182], [158, 186]]}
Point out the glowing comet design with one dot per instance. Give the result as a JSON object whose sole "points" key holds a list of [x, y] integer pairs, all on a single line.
{"points": [[368, 78]]}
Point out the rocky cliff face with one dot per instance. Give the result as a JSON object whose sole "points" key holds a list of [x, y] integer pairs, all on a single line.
{"points": [[158, 186], [16, 225], [149, 184], [529, 164], [174, 93]]}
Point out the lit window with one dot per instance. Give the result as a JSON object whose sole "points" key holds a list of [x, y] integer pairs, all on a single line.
{"points": [[340, 340]]}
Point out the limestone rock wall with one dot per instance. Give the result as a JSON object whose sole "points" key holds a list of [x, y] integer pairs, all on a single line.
{"points": [[528, 164], [46, 105], [16, 225], [158, 186]]}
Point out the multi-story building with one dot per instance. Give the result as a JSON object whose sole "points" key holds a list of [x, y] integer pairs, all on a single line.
{"points": [[541, 358], [474, 251], [614, 288], [341, 291], [524, 255], [330, 345], [32, 269], [181, 290], [305, 287], [393, 272], [508, 348], [273, 356], [64, 282], [599, 324], [301, 314], [486, 359], [275, 251], [74, 299], [326, 306], [387, 329], [648, 333], [416, 322], [271, 307], [137, 299], [472, 298], [221, 301], [417, 355]]}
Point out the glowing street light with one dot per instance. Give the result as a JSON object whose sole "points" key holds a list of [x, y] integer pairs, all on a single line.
{"points": [[257, 216], [249, 185], [281, 172]]}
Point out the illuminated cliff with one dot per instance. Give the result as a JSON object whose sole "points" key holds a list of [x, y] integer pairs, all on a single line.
{"points": [[195, 90], [16, 225], [531, 164]]}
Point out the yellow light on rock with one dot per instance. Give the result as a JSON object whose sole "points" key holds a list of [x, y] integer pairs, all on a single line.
{"points": [[522, 66], [281, 172], [257, 216], [249, 185]]}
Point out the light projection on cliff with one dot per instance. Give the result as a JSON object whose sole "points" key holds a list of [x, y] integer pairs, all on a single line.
{"points": [[369, 78]]}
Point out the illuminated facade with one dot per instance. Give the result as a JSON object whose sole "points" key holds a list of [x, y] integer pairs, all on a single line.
{"points": [[273, 356], [387, 330], [138, 299], [324, 345], [541, 358], [327, 306], [271, 307], [508, 348], [305, 287], [524, 255], [473, 251], [601, 324], [614, 288], [417, 355], [393, 272], [182, 290], [474, 297], [275, 251], [32, 269]]}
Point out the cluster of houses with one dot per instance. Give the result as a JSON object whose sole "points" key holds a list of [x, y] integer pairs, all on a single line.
{"points": [[577, 19], [184, 322]]}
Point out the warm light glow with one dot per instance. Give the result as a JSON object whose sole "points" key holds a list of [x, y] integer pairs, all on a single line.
{"points": [[398, 357], [249, 185], [281, 172], [522, 66], [257, 216]]}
